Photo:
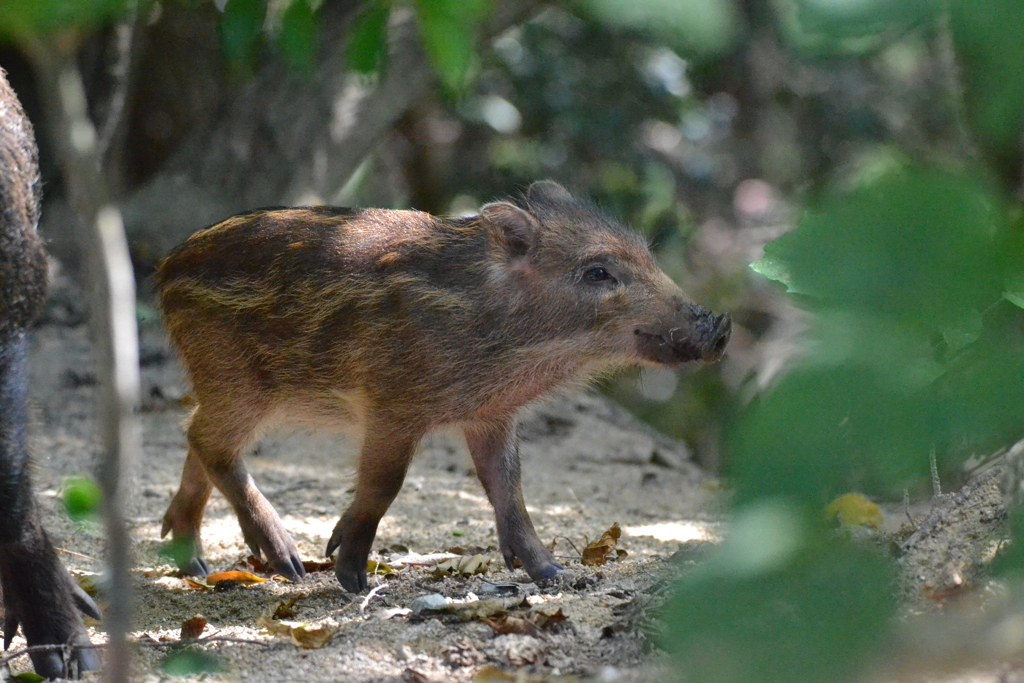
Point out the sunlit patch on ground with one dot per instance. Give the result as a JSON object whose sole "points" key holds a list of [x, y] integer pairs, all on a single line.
{"points": [[682, 532]]}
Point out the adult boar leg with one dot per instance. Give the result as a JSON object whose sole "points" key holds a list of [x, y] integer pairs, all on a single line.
{"points": [[495, 450], [39, 594]]}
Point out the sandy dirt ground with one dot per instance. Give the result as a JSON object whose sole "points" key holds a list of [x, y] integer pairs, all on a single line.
{"points": [[586, 465]]}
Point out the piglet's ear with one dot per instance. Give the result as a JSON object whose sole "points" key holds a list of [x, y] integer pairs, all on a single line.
{"points": [[518, 227], [548, 191]]}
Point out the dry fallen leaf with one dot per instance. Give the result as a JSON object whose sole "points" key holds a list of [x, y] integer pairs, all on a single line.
{"points": [[544, 617], [468, 550], [462, 566], [597, 552], [548, 617], [301, 635], [197, 584], [313, 566], [510, 624], [241, 578], [413, 676], [286, 608], [375, 567], [193, 628]]}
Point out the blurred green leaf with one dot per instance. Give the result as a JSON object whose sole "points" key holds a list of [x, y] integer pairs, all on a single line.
{"points": [[698, 27], [979, 403], [900, 354], [1015, 298], [826, 429], [449, 31], [849, 26], [368, 46], [1015, 288], [922, 244], [297, 36], [241, 28], [190, 662], [39, 17], [780, 602], [989, 41], [178, 550], [82, 498]]}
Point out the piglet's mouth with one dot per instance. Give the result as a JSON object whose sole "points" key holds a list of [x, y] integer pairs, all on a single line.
{"points": [[705, 340]]}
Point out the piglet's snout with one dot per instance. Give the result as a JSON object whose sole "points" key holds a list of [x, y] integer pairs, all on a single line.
{"points": [[718, 338], [697, 335]]}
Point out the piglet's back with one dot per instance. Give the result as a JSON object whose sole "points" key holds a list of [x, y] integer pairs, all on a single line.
{"points": [[302, 297]]}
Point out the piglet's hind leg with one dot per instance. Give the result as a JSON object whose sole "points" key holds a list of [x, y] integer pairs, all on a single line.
{"points": [[218, 441], [184, 517]]}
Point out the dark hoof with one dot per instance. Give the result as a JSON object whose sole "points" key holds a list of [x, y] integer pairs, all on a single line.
{"points": [[43, 600], [276, 544], [85, 603], [351, 580], [195, 566], [547, 572], [289, 567], [561, 578], [186, 552], [82, 658]]}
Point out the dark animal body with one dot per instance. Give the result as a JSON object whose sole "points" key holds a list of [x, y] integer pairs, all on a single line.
{"points": [[401, 322], [39, 595]]}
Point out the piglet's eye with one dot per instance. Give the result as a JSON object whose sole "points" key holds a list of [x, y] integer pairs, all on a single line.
{"points": [[596, 274]]}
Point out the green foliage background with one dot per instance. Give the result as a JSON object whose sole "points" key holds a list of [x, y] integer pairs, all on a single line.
{"points": [[908, 255]]}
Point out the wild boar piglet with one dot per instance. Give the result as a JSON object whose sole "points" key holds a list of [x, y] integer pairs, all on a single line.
{"points": [[402, 322]]}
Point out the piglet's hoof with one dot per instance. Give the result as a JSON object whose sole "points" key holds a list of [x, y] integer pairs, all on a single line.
{"points": [[352, 581], [559, 578]]}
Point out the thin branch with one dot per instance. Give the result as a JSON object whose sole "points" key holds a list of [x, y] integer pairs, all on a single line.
{"points": [[906, 509], [74, 554], [371, 595], [126, 38], [112, 315]]}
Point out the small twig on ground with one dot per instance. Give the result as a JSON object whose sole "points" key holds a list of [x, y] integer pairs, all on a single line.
{"points": [[906, 509], [64, 647], [72, 552], [371, 594], [571, 545]]}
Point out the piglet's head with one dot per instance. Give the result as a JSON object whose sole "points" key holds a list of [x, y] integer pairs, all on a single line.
{"points": [[593, 282]]}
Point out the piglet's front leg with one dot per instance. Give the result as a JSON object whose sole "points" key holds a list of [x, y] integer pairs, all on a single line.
{"points": [[495, 450]]}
